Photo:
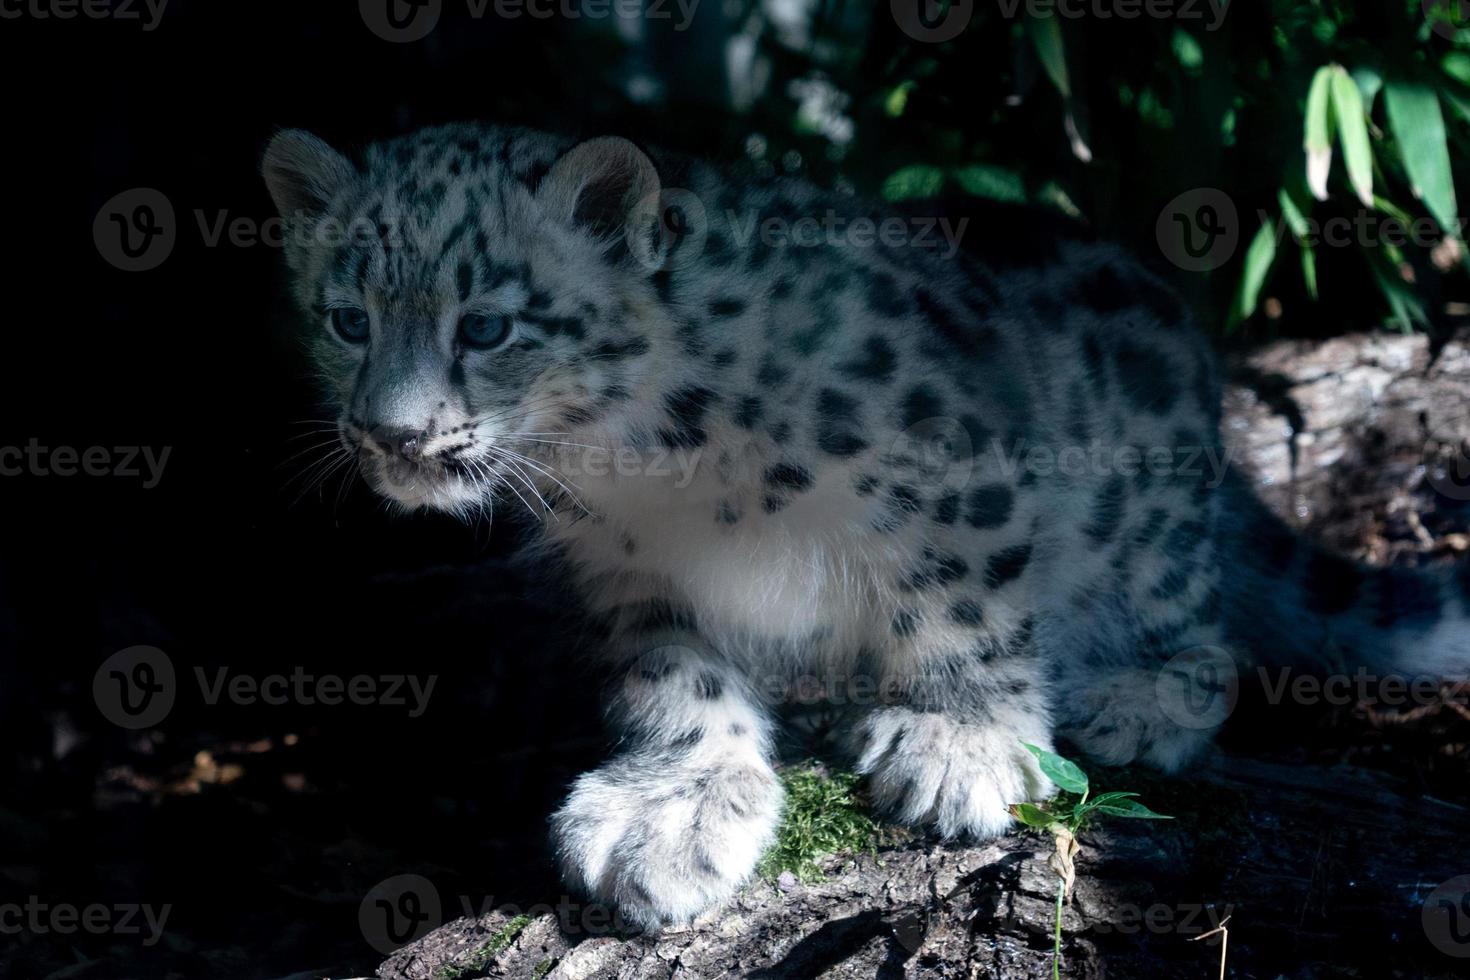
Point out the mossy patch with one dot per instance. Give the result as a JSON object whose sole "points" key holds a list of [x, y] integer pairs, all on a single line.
{"points": [[481, 957], [823, 816]]}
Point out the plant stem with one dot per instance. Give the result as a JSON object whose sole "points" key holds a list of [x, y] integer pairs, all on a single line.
{"points": [[1056, 960]]}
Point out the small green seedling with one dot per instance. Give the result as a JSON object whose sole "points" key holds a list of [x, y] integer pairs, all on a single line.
{"points": [[1065, 817]]}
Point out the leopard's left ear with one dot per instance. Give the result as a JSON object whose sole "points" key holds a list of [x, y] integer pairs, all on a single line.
{"points": [[609, 187], [303, 173]]}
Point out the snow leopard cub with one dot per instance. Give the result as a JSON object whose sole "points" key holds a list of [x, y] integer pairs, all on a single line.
{"points": [[978, 503]]}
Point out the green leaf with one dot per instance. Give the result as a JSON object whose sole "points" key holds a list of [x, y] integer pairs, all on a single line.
{"points": [[1294, 205], [1292, 211], [1309, 270], [1417, 123], [898, 98], [1461, 107], [1393, 211], [1318, 138], [1258, 261], [1102, 798], [1369, 83], [1130, 808], [1352, 132], [1402, 301], [1456, 64], [1046, 38], [1032, 815], [918, 180], [1187, 52], [995, 183], [1064, 772]]}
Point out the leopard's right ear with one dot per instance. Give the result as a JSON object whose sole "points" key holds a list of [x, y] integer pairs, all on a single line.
{"points": [[609, 187], [303, 173]]}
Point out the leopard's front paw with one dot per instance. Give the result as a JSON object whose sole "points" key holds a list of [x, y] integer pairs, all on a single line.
{"points": [[662, 842], [929, 769]]}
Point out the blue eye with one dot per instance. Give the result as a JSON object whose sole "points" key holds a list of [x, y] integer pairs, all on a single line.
{"points": [[351, 324], [481, 331]]}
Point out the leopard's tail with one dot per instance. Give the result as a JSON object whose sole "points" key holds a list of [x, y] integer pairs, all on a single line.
{"points": [[1292, 603]]}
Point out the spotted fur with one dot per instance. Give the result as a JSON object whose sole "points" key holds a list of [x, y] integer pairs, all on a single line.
{"points": [[986, 495]]}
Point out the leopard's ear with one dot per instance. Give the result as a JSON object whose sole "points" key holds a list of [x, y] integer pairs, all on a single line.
{"points": [[303, 173], [609, 187]]}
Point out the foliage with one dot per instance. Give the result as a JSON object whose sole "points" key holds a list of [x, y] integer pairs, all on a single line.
{"points": [[1064, 818], [1301, 111]]}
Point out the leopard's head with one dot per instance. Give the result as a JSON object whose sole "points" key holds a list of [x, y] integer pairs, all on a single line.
{"points": [[471, 295]]}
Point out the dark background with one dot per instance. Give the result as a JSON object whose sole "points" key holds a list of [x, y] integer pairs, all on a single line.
{"points": [[263, 827]]}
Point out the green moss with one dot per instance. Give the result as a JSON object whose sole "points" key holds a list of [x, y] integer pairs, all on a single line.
{"points": [[823, 816], [481, 957], [542, 968]]}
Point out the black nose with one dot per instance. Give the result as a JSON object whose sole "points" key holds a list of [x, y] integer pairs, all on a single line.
{"points": [[407, 443]]}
